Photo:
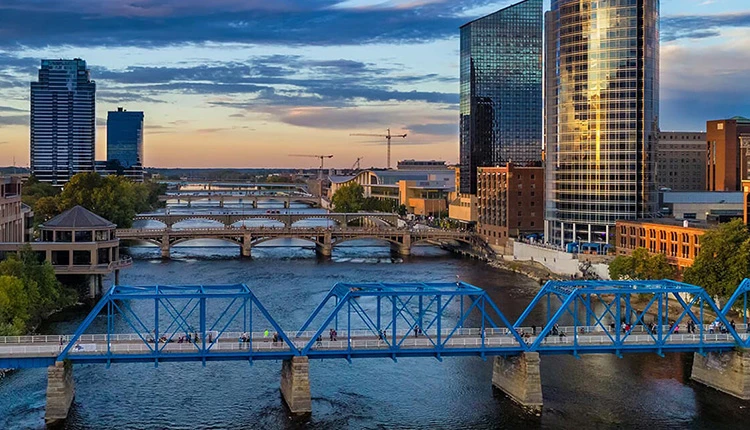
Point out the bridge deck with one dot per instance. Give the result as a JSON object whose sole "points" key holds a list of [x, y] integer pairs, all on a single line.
{"points": [[131, 348]]}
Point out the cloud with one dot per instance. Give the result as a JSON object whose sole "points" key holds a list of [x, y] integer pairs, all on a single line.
{"points": [[701, 83], [674, 27], [14, 120], [444, 128], [10, 109], [44, 23]]}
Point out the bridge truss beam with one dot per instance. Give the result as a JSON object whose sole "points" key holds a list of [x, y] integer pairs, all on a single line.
{"points": [[180, 323], [398, 315], [606, 307]]}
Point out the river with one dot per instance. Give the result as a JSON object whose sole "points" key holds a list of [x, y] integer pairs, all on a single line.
{"points": [[596, 391]]}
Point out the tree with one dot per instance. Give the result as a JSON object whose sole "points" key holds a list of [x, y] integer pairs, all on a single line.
{"points": [[349, 198], [33, 190], [45, 209], [14, 306], [723, 261], [641, 265]]}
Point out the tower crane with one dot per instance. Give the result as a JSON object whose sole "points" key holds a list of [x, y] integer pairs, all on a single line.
{"points": [[356, 165], [387, 137], [322, 157]]}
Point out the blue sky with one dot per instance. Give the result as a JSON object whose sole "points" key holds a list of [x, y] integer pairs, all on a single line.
{"points": [[242, 83]]}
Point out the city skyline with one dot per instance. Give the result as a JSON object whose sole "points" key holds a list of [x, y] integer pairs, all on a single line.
{"points": [[246, 95]]}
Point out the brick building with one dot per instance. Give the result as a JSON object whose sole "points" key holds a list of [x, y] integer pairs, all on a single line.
{"points": [[727, 160], [679, 241], [510, 202]]}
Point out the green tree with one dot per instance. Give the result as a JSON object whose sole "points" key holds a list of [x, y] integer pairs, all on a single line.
{"points": [[33, 190], [724, 259], [45, 209], [641, 265], [348, 198], [14, 306]]}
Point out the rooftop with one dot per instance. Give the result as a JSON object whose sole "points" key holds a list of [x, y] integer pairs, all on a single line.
{"points": [[78, 218], [673, 222], [703, 197]]}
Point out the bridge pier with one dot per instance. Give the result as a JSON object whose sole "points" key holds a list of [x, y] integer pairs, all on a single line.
{"points": [[246, 251], [165, 251], [519, 377], [728, 372], [60, 392], [295, 385], [324, 250]]}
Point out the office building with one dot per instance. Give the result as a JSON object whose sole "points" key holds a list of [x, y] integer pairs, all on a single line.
{"points": [[679, 241], [63, 122], [11, 211], [510, 202], [501, 90], [125, 143], [681, 161], [727, 143], [601, 114]]}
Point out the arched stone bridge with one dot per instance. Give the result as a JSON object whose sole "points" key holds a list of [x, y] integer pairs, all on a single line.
{"points": [[288, 219], [252, 197], [401, 240]]}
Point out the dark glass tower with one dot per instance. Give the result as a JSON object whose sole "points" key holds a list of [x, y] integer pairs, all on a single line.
{"points": [[63, 125], [501, 90], [601, 113], [125, 143]]}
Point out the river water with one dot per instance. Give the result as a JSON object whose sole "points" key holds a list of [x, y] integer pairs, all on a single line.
{"points": [[596, 391]]}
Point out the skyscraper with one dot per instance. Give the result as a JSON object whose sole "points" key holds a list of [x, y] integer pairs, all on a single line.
{"points": [[601, 113], [501, 90], [125, 143], [63, 122]]}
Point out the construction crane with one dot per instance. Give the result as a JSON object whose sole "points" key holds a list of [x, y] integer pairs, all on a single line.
{"points": [[387, 136], [322, 157], [356, 165]]}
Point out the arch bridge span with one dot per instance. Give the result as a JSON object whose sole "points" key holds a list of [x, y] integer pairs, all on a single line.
{"points": [[288, 219], [401, 240]]}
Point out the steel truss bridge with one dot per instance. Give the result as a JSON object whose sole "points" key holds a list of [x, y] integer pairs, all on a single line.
{"points": [[324, 239], [242, 197], [288, 219], [202, 323]]}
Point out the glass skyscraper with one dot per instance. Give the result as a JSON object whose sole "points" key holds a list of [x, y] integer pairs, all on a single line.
{"points": [[601, 114], [63, 124], [501, 90], [125, 143]]}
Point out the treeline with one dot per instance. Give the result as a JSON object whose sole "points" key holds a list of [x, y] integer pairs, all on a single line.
{"points": [[112, 197], [350, 198], [29, 292]]}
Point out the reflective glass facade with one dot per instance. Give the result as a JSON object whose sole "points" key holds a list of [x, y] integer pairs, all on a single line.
{"points": [[63, 128], [601, 109], [501, 90], [125, 140]]}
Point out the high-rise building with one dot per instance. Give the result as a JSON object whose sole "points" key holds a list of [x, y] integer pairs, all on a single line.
{"points": [[63, 121], [727, 160], [601, 114], [501, 90], [125, 143], [681, 160]]}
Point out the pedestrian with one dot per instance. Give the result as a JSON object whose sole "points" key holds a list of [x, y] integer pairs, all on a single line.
{"points": [[533, 330], [265, 334], [416, 333], [320, 340], [330, 335]]}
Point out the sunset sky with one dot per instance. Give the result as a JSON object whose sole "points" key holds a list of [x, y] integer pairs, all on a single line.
{"points": [[245, 83]]}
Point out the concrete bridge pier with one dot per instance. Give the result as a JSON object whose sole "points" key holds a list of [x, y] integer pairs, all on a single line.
{"points": [[295, 385], [728, 372], [246, 247], [60, 392], [324, 250], [165, 249], [403, 249], [519, 377], [325, 247]]}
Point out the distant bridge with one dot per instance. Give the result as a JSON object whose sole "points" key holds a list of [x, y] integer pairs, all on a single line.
{"points": [[324, 239], [243, 197], [288, 219], [237, 185], [202, 323]]}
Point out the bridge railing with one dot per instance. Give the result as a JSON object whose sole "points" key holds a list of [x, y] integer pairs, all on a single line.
{"points": [[307, 335]]}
